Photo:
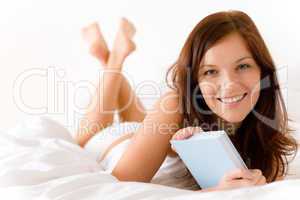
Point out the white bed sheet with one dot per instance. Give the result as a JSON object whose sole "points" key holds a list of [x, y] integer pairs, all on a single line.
{"points": [[39, 160]]}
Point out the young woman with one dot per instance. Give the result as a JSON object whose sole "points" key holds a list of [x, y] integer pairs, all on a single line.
{"points": [[224, 78]]}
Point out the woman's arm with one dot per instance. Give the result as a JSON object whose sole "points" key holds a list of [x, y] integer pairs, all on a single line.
{"points": [[150, 144]]}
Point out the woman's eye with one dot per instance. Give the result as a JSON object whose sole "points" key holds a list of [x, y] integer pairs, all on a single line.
{"points": [[243, 66], [209, 72]]}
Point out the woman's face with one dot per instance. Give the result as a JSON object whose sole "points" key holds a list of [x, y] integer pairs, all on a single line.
{"points": [[229, 79]]}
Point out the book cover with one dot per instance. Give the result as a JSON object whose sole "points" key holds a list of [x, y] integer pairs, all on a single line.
{"points": [[208, 156]]}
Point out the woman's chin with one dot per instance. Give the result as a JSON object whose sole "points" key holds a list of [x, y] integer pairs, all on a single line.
{"points": [[233, 119]]}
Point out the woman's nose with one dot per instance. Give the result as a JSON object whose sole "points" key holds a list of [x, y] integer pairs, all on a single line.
{"points": [[229, 80]]}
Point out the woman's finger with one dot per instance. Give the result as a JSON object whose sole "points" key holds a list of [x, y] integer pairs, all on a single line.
{"points": [[186, 132], [257, 175], [236, 183], [243, 183], [262, 180], [256, 172], [238, 174]]}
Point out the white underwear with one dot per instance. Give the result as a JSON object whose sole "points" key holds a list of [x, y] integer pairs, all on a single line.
{"points": [[102, 140], [171, 173]]}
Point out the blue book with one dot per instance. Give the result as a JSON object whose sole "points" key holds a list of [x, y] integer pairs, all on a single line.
{"points": [[208, 156]]}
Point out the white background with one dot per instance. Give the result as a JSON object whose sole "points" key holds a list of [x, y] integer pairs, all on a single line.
{"points": [[42, 34]]}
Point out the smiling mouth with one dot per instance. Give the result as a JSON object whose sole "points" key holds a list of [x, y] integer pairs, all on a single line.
{"points": [[235, 99]]}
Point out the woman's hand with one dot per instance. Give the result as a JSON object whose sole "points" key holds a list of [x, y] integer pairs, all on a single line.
{"points": [[237, 179], [241, 178], [185, 133]]}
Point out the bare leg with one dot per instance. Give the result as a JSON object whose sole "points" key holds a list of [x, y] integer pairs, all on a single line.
{"points": [[130, 108], [114, 92]]}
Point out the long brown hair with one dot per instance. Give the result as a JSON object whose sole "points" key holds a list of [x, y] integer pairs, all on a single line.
{"points": [[263, 139]]}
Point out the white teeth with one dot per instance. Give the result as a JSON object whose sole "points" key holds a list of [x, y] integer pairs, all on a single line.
{"points": [[232, 99]]}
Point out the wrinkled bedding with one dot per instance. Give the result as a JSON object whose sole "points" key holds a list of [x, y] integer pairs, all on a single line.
{"points": [[40, 160]]}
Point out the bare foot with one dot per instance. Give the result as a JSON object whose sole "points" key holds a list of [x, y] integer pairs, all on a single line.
{"points": [[123, 44], [97, 45]]}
